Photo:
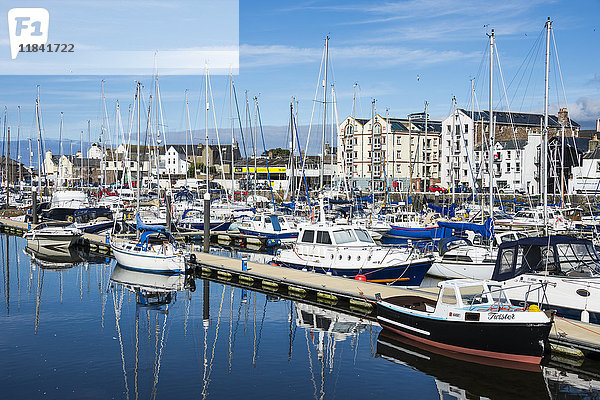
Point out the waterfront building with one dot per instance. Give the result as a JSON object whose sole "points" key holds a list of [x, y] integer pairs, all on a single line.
{"points": [[464, 135], [392, 151]]}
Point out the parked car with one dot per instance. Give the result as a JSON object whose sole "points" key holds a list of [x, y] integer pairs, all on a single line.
{"points": [[437, 188]]}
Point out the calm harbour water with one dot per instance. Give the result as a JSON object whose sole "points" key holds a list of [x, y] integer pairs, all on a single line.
{"points": [[76, 333]]}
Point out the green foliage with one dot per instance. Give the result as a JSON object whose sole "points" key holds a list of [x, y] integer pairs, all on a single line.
{"points": [[278, 152], [201, 169]]}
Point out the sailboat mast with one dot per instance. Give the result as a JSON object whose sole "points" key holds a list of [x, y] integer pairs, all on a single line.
{"points": [[321, 170], [452, 177], [426, 183], [232, 139], [373, 154], [39, 139], [60, 169], [19, 148], [255, 145], [206, 127], [139, 122], [492, 126], [103, 140], [293, 178], [544, 148]]}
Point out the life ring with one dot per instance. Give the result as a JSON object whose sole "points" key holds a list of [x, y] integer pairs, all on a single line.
{"points": [[70, 218]]}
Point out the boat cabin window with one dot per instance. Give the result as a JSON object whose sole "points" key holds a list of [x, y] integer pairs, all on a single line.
{"points": [[506, 260], [448, 295], [267, 220], [257, 218], [323, 237], [343, 236], [475, 294], [538, 258], [308, 236], [578, 259], [363, 236]]}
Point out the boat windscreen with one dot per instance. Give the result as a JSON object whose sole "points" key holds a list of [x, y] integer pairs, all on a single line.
{"points": [[343, 236], [578, 259], [363, 235], [475, 294]]}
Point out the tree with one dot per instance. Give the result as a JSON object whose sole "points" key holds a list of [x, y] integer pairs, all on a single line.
{"points": [[201, 169], [278, 152]]}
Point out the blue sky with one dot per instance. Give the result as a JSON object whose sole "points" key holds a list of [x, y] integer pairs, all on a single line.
{"points": [[401, 53]]}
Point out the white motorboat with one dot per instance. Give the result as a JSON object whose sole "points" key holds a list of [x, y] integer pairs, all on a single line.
{"points": [[53, 235], [349, 251], [270, 226]]}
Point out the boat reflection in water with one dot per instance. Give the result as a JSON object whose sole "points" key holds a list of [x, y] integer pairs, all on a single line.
{"points": [[54, 257], [461, 376], [151, 289], [323, 330], [154, 294], [339, 326]]}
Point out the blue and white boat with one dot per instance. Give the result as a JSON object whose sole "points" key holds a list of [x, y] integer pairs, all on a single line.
{"points": [[270, 226], [193, 219], [349, 251], [155, 250]]}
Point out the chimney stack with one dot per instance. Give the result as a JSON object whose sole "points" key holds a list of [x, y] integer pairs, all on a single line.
{"points": [[563, 117]]}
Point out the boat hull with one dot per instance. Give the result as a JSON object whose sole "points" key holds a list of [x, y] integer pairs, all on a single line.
{"points": [[459, 270], [149, 262], [409, 274], [269, 235], [520, 342]]}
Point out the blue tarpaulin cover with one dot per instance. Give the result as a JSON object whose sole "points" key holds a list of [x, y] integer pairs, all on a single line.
{"points": [[486, 230]]}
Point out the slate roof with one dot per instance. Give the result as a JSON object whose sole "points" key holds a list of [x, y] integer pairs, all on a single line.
{"points": [[582, 145], [507, 144], [517, 118]]}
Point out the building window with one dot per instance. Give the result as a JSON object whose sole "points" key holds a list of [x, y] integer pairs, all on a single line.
{"points": [[508, 155], [377, 129], [399, 140], [466, 128], [517, 167], [355, 141], [349, 130], [398, 168], [398, 154], [369, 156], [369, 140], [507, 167]]}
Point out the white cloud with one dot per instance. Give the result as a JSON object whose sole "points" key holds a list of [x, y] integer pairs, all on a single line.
{"points": [[585, 111], [386, 56]]}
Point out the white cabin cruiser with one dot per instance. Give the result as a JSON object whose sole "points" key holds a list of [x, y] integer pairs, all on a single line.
{"points": [[53, 235], [270, 226], [349, 251]]}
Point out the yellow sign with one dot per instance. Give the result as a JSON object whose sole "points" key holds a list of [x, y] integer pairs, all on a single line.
{"points": [[261, 170]]}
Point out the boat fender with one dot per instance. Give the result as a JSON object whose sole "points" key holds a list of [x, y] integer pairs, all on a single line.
{"points": [[533, 308], [361, 278], [192, 258]]}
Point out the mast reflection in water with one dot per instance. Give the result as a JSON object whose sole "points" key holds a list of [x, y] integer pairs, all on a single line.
{"points": [[90, 329]]}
